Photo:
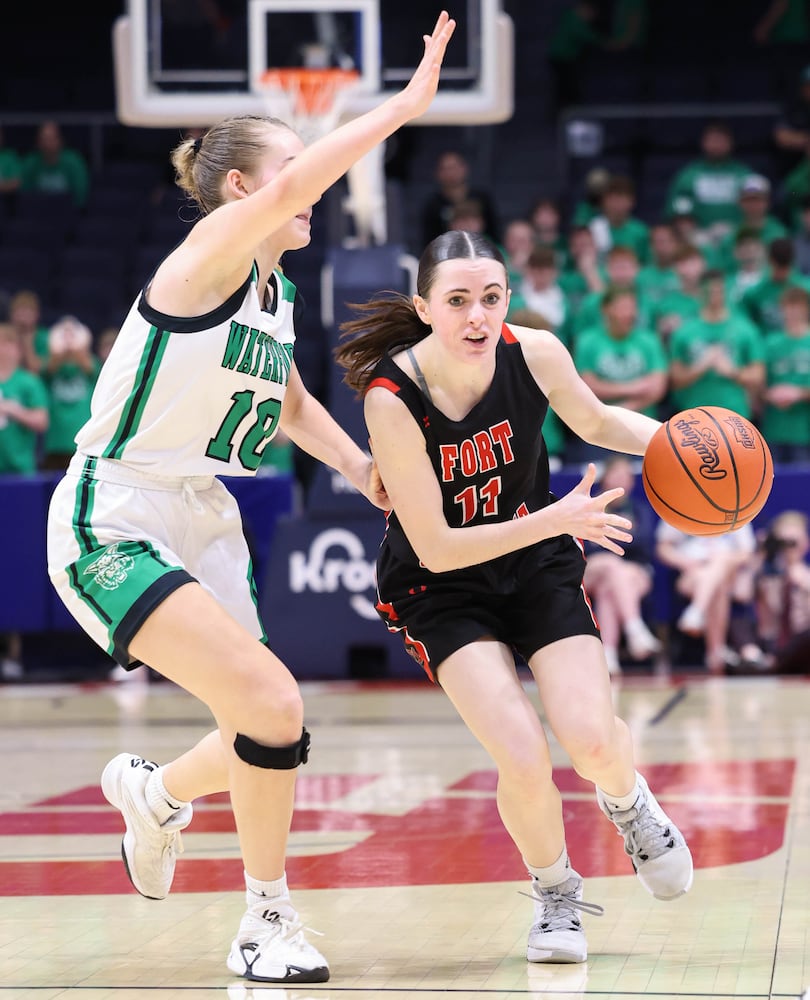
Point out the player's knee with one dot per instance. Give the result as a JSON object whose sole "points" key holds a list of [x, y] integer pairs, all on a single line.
{"points": [[272, 757], [593, 749], [273, 710], [525, 763]]}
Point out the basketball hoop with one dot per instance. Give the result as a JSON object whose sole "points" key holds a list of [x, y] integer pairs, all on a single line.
{"points": [[309, 99], [312, 100]]}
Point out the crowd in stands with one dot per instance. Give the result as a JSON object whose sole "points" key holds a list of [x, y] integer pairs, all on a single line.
{"points": [[703, 298]]}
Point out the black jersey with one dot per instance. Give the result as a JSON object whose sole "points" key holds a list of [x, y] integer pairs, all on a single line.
{"points": [[492, 465]]}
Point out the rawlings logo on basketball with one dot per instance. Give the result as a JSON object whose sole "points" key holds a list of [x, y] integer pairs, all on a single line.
{"points": [[706, 446], [111, 568], [741, 431]]}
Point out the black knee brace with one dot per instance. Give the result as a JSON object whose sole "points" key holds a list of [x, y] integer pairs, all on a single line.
{"points": [[272, 758]]}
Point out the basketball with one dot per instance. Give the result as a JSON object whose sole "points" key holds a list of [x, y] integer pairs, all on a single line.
{"points": [[707, 471]]}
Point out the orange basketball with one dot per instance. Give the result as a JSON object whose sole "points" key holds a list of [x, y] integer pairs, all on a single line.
{"points": [[707, 471]]}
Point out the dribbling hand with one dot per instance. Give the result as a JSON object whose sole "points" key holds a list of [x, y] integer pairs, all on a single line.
{"points": [[584, 516]]}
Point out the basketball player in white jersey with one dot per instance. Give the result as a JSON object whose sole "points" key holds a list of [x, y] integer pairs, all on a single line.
{"points": [[145, 544]]}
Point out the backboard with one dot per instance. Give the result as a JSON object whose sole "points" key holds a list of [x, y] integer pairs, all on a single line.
{"points": [[175, 67]]}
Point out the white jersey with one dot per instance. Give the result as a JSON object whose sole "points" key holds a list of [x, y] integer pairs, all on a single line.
{"points": [[199, 396]]}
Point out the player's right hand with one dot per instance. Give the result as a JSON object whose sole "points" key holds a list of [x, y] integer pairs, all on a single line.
{"points": [[421, 89]]}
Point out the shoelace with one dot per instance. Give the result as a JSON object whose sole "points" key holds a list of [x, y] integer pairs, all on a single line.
{"points": [[641, 829], [291, 931], [559, 917]]}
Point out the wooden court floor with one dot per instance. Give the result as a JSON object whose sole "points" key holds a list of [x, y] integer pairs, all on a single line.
{"points": [[397, 854]]}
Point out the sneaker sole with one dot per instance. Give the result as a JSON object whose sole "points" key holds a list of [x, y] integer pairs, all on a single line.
{"points": [[294, 974], [555, 957]]}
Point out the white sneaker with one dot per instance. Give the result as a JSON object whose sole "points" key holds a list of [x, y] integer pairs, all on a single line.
{"points": [[692, 621], [149, 850], [557, 934], [641, 643], [272, 949], [659, 853]]}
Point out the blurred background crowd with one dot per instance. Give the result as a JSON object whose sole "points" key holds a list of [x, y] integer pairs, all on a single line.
{"points": [[651, 196]]}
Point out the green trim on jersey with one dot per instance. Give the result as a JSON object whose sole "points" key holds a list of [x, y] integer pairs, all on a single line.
{"points": [[254, 596], [133, 409], [287, 287]]}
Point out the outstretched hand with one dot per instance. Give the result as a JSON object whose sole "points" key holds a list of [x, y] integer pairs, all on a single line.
{"points": [[424, 83], [584, 516]]}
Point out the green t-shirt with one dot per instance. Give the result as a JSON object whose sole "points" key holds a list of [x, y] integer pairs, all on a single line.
{"points": [[761, 301], [677, 303], [620, 360], [744, 346], [713, 187], [68, 174], [18, 444], [589, 314], [787, 360], [656, 282], [70, 389], [10, 165], [635, 234], [772, 229]]}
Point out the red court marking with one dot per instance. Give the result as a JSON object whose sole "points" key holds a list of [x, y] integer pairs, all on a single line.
{"points": [[308, 788], [757, 778], [459, 840]]}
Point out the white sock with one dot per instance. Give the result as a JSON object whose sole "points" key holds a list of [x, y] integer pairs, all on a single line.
{"points": [[163, 805], [637, 626], [264, 897], [553, 874], [618, 803]]}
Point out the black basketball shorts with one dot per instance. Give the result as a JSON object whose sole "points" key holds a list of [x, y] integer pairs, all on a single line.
{"points": [[526, 600]]}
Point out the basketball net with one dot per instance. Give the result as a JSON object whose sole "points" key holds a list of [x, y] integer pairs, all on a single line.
{"points": [[312, 100]]}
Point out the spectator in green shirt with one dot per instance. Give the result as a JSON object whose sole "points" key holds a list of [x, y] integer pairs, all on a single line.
{"points": [[762, 302], [615, 225], [70, 373], [623, 363], [755, 204], [659, 277], [54, 168], [785, 421], [23, 407], [712, 181], [750, 264], [572, 37], [518, 243], [582, 276], [546, 221], [621, 271], [718, 357], [25, 315], [685, 302]]}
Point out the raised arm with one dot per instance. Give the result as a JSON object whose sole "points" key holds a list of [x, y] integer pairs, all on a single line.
{"points": [[300, 184]]}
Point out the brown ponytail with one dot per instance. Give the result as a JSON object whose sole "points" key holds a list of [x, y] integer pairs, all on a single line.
{"points": [[383, 326]]}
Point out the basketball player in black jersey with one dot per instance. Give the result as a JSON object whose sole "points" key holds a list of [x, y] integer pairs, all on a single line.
{"points": [[479, 561]]}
